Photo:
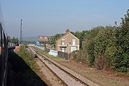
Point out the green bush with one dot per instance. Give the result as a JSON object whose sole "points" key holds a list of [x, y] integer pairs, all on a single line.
{"points": [[107, 47], [90, 51]]}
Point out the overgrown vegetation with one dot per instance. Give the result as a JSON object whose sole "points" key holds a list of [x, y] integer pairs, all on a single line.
{"points": [[107, 47], [104, 47], [52, 40], [13, 40], [23, 66], [26, 56]]}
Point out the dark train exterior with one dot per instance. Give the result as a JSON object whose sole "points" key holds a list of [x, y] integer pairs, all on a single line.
{"points": [[3, 57]]}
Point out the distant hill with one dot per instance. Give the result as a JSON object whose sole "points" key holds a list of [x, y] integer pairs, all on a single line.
{"points": [[30, 39]]}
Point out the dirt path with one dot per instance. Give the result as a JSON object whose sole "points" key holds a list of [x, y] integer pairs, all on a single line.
{"points": [[104, 78]]}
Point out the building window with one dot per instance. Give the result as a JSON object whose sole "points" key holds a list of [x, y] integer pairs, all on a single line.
{"points": [[73, 48], [62, 41], [73, 41]]}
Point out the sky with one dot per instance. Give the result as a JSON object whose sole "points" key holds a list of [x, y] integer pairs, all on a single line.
{"points": [[50, 17]]}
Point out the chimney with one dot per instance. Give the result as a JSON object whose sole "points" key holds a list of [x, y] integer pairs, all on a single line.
{"points": [[67, 31]]}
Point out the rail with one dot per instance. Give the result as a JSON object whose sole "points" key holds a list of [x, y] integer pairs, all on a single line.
{"points": [[68, 76]]}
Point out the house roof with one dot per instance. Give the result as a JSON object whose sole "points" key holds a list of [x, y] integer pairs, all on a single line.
{"points": [[67, 32]]}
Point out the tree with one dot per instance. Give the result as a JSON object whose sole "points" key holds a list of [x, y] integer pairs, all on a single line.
{"points": [[13, 40], [52, 40], [81, 36], [104, 42], [121, 58]]}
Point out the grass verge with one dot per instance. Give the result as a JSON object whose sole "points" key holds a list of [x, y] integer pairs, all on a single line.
{"points": [[22, 69]]}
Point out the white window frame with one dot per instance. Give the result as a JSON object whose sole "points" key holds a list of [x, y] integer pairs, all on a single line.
{"points": [[62, 41], [73, 41]]}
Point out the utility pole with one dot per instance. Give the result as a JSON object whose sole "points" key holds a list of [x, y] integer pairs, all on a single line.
{"points": [[21, 32]]}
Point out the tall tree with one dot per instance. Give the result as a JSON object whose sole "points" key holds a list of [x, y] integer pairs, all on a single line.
{"points": [[121, 58], [52, 40]]}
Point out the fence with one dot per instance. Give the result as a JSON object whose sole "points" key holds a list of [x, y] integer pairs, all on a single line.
{"points": [[64, 55], [60, 54]]}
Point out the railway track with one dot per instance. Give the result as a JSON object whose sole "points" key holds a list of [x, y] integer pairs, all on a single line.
{"points": [[69, 77]]}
